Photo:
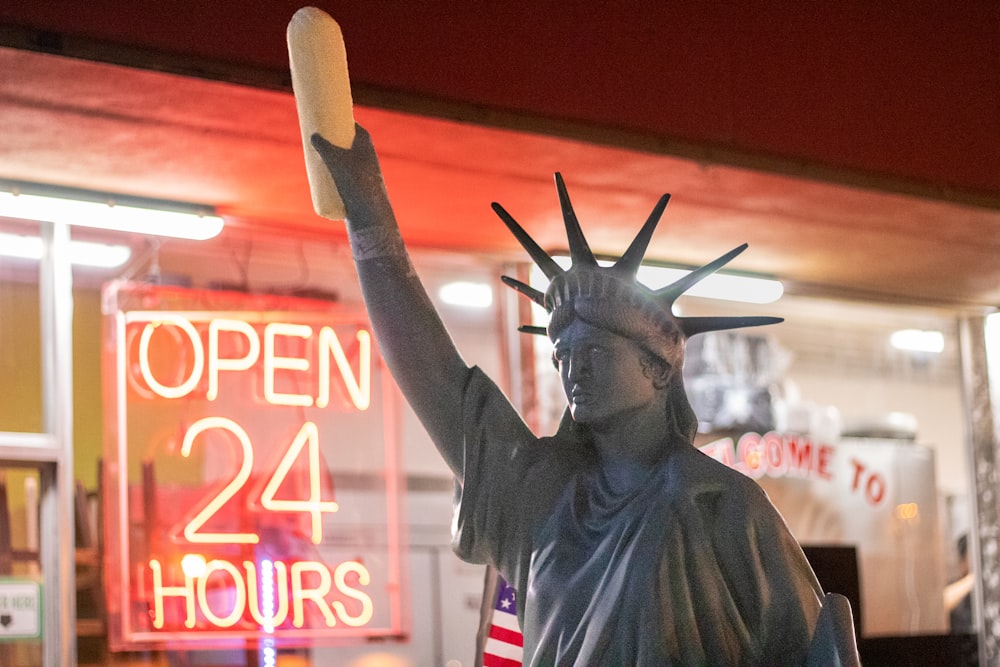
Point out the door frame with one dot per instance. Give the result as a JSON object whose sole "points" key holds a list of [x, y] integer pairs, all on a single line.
{"points": [[51, 451]]}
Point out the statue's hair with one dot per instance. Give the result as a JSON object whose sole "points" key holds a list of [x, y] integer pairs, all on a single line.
{"points": [[615, 309]]}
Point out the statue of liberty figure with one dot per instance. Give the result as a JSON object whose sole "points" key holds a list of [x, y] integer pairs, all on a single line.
{"points": [[626, 545]]}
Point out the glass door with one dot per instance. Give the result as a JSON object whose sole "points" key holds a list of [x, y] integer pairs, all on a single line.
{"points": [[37, 541]]}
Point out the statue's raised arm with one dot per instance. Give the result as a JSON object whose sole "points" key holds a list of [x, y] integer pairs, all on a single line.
{"points": [[413, 340]]}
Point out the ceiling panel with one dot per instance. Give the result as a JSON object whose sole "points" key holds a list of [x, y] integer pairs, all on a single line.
{"points": [[131, 131]]}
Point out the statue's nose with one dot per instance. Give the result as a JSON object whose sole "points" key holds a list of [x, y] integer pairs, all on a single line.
{"points": [[578, 366]]}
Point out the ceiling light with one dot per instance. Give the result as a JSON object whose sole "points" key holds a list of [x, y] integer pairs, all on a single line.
{"points": [[85, 209], [81, 253], [915, 340], [725, 286], [466, 294]]}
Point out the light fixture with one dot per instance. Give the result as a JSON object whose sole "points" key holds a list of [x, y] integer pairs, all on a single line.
{"points": [[725, 286], [916, 340], [88, 209], [466, 294], [81, 253]]}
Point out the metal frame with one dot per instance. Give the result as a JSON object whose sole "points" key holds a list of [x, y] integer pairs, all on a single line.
{"points": [[982, 447], [51, 452]]}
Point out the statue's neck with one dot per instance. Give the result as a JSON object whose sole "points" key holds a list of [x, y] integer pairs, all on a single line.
{"points": [[638, 439]]}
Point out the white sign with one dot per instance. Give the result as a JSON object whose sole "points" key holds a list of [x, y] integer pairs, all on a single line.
{"points": [[20, 609]]}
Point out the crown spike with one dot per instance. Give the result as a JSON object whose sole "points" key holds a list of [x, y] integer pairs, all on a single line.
{"points": [[579, 249], [529, 329], [630, 261], [525, 289], [695, 325], [585, 278], [548, 265], [671, 292]]}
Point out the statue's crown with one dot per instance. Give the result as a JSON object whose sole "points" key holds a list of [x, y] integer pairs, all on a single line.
{"points": [[587, 283]]}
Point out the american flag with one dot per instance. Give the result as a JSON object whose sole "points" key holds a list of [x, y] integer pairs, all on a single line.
{"points": [[504, 643]]}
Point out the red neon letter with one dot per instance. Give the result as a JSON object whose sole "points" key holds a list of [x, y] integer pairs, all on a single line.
{"points": [[749, 456], [217, 363], [239, 596], [799, 456], [314, 505], [858, 469], [358, 388], [774, 454], [191, 530], [160, 591], [339, 577], [276, 617], [317, 595], [273, 362], [875, 489], [721, 450], [823, 461], [198, 361]]}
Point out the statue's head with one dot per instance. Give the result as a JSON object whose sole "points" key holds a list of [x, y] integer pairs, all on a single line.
{"points": [[612, 299]]}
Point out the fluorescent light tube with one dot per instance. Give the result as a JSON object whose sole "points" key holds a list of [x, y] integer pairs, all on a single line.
{"points": [[81, 253], [915, 340], [133, 218], [725, 286], [467, 294]]}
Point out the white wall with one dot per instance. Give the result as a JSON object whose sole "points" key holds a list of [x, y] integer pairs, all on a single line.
{"points": [[936, 404]]}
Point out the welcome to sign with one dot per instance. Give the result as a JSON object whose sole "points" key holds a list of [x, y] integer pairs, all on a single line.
{"points": [[251, 480]]}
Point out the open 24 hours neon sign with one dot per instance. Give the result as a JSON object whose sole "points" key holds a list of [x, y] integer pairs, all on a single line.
{"points": [[250, 480]]}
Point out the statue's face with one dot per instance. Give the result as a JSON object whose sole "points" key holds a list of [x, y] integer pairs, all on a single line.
{"points": [[602, 375]]}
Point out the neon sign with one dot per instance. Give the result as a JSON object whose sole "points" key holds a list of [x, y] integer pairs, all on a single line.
{"points": [[250, 481], [779, 455], [774, 454]]}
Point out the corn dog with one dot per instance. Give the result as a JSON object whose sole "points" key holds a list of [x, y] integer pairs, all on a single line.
{"points": [[318, 63]]}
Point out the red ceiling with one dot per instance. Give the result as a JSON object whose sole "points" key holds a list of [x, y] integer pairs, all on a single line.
{"points": [[908, 92], [854, 146]]}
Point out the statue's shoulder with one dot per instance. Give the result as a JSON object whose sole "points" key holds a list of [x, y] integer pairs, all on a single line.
{"points": [[567, 452], [710, 483]]}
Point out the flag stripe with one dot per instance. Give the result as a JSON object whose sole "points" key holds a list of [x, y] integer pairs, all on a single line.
{"points": [[497, 661], [503, 649], [509, 636], [506, 620]]}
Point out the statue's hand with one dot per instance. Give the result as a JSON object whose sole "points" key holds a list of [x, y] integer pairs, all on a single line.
{"points": [[358, 178]]}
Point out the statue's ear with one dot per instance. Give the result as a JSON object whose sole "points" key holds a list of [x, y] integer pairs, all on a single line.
{"points": [[662, 379], [657, 370]]}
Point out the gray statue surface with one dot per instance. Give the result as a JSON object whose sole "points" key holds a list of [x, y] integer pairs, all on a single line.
{"points": [[627, 546]]}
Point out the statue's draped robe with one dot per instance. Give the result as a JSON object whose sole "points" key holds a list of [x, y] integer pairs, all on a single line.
{"points": [[691, 566]]}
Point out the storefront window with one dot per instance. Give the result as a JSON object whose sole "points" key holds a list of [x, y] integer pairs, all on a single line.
{"points": [[20, 328], [21, 578], [857, 433], [860, 444]]}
